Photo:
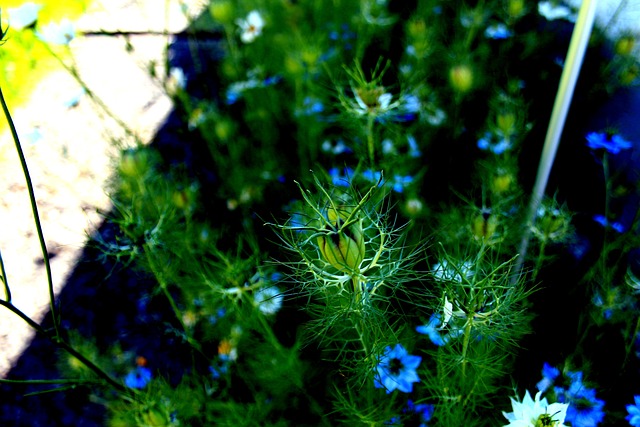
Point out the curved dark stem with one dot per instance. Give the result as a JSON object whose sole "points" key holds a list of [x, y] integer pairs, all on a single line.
{"points": [[34, 209]]}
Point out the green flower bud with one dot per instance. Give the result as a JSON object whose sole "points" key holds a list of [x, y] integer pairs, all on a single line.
{"points": [[155, 417], [222, 11], [461, 78], [344, 248]]}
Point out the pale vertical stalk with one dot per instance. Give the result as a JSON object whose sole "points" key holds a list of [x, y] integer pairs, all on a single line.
{"points": [[573, 63]]}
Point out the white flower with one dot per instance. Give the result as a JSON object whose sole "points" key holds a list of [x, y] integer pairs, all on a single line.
{"points": [[268, 300], [552, 11], [447, 311], [176, 80], [58, 32], [251, 27], [535, 412], [23, 16], [381, 104]]}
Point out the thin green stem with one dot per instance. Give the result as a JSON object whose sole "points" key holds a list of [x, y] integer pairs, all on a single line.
{"points": [[34, 209], [5, 281], [604, 254], [56, 340], [465, 342], [370, 139]]}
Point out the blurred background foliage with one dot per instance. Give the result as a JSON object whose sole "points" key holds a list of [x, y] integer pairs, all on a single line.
{"points": [[26, 60]]}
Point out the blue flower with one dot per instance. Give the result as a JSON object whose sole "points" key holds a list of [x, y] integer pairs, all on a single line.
{"points": [[611, 143], [371, 176], [431, 330], [634, 413], [600, 219], [414, 150], [338, 179], [421, 411], [400, 182], [138, 378], [549, 375], [397, 370], [585, 410], [489, 142], [497, 32]]}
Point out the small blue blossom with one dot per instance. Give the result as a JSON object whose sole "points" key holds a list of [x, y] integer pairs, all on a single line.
{"points": [[138, 378], [611, 143], [634, 413], [585, 410], [388, 147], [422, 412], [371, 176], [490, 142], [497, 32], [310, 107], [414, 150], [338, 148], [549, 375], [397, 370], [400, 182], [600, 219], [431, 330], [338, 179]]}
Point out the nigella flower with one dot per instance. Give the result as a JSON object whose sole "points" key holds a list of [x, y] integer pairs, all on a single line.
{"points": [[251, 27], [58, 33], [418, 413], [552, 10], [138, 378], [400, 182], [268, 300], [176, 80], [497, 32], [310, 107], [397, 370], [611, 143], [600, 219], [414, 150], [237, 89], [585, 410], [491, 142], [23, 16], [371, 176], [549, 375], [338, 148], [634, 413], [379, 104], [341, 179], [431, 330], [536, 412], [408, 108]]}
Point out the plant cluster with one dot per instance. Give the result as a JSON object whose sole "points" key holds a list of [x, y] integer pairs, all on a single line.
{"points": [[341, 233]]}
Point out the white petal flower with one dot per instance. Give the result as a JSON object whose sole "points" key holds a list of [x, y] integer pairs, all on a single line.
{"points": [[535, 412], [24, 15], [58, 32], [251, 27], [448, 311], [268, 300], [552, 11]]}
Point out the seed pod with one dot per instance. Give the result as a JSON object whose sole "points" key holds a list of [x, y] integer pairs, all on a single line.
{"points": [[343, 247]]}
